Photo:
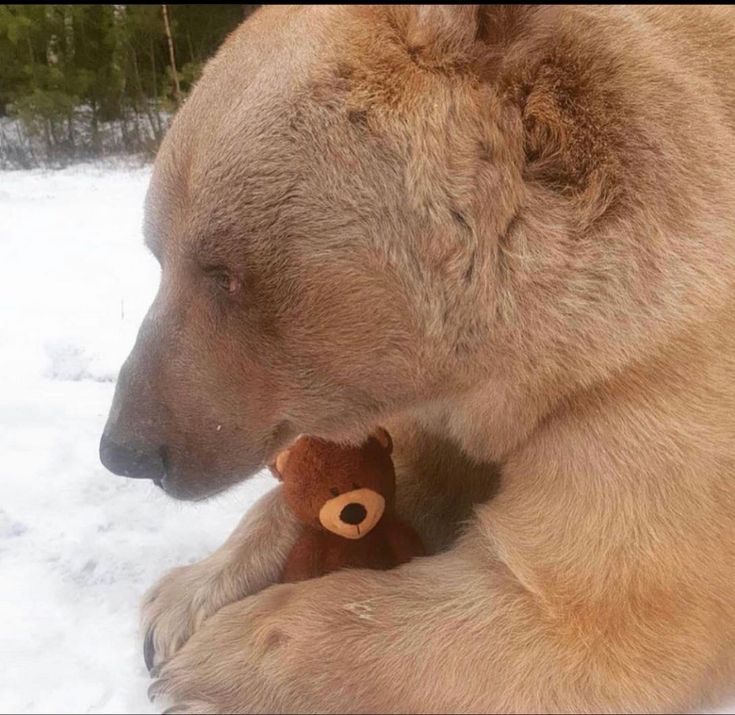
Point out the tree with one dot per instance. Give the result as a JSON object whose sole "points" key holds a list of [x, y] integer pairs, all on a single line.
{"points": [[172, 54], [85, 80]]}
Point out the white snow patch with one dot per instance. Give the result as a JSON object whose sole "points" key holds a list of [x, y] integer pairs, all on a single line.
{"points": [[78, 546]]}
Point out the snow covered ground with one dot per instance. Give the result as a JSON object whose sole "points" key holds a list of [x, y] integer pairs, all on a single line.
{"points": [[78, 546]]}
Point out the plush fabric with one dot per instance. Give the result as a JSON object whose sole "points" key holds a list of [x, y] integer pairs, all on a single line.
{"points": [[316, 472]]}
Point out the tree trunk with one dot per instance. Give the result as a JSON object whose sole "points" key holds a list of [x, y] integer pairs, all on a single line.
{"points": [[156, 113], [119, 67], [95, 128], [172, 55], [47, 137], [68, 34], [70, 133], [124, 129], [23, 139], [191, 48], [143, 98]]}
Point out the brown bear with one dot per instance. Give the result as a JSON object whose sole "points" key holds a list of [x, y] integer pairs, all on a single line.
{"points": [[344, 498], [505, 232]]}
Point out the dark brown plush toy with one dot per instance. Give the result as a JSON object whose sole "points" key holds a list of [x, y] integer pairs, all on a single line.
{"points": [[343, 497]]}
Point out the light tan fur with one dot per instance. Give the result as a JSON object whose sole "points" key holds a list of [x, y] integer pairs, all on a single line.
{"points": [[508, 234]]}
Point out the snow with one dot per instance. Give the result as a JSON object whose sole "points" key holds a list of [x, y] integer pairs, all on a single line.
{"points": [[79, 546]]}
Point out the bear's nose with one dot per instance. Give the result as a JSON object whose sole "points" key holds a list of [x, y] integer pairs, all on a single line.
{"points": [[353, 513], [140, 462]]}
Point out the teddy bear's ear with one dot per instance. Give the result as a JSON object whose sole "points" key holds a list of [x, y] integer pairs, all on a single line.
{"points": [[278, 466], [385, 440]]}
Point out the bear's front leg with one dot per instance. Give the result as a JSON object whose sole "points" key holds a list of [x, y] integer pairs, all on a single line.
{"points": [[352, 641], [250, 560], [455, 632]]}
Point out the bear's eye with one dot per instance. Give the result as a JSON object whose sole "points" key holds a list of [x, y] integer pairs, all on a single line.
{"points": [[334, 492], [355, 485], [223, 279]]}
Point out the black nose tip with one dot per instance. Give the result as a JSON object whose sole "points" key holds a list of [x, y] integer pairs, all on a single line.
{"points": [[353, 513], [131, 460]]}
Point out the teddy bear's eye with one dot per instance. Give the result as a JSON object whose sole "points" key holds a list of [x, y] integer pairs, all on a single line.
{"points": [[334, 491], [355, 485]]}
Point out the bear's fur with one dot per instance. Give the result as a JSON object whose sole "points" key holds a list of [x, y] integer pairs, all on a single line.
{"points": [[508, 234]]}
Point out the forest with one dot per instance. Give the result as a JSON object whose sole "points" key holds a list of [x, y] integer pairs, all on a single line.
{"points": [[84, 81]]}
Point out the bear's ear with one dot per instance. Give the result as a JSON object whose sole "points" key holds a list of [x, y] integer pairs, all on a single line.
{"points": [[278, 466], [438, 30], [383, 438]]}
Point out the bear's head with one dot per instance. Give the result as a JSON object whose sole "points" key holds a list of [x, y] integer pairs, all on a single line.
{"points": [[343, 489], [364, 213], [315, 211]]}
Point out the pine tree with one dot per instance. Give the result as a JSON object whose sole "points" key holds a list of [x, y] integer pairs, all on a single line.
{"points": [[85, 80]]}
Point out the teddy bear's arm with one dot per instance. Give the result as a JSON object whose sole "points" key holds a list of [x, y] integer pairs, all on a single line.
{"points": [[404, 542]]}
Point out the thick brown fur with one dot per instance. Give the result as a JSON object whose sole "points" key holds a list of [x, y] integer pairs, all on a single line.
{"points": [[507, 233]]}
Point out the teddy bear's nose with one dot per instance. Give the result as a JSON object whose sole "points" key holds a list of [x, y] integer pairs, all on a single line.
{"points": [[353, 513]]}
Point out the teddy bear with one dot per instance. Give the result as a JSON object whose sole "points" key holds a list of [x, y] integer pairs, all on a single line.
{"points": [[344, 498]]}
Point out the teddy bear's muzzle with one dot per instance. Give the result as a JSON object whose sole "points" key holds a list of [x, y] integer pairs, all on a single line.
{"points": [[353, 514]]}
